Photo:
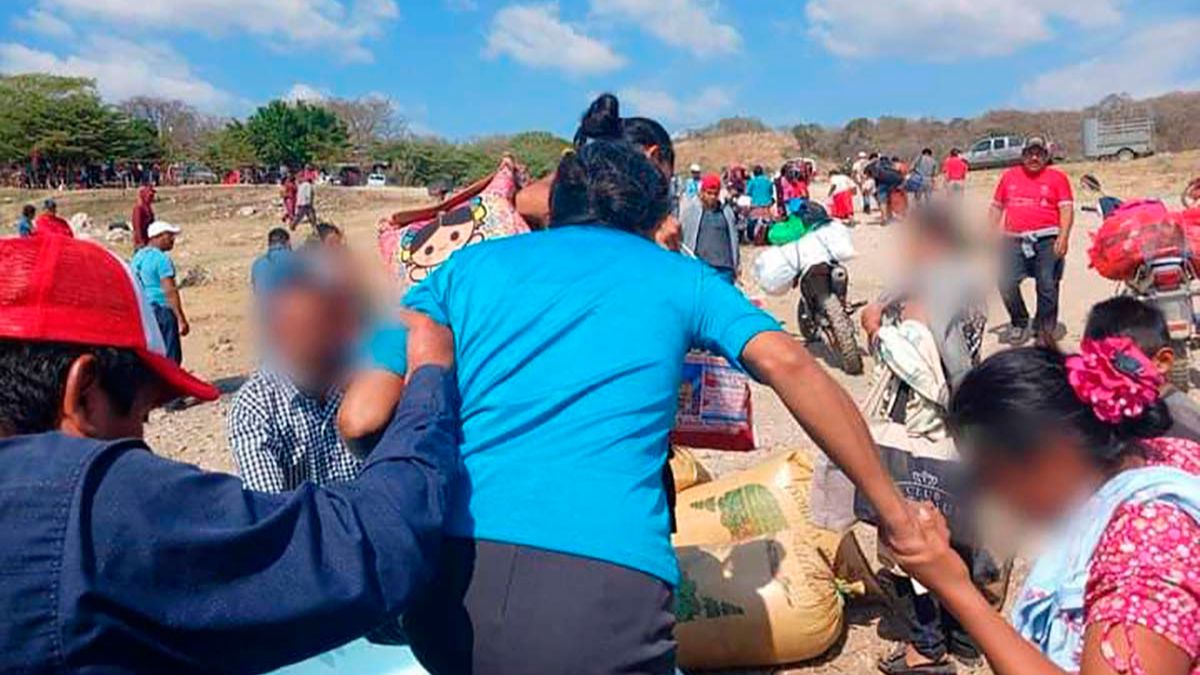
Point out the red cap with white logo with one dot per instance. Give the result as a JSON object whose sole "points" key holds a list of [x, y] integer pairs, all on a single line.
{"points": [[58, 289]]}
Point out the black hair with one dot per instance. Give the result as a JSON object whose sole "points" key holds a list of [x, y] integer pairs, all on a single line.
{"points": [[278, 236], [1129, 317], [927, 151], [758, 170], [1011, 401], [602, 121], [35, 379], [29, 210], [610, 182], [326, 230], [954, 152]]}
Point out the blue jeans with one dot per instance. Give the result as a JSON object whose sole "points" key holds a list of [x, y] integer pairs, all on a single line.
{"points": [[168, 325], [1046, 270]]}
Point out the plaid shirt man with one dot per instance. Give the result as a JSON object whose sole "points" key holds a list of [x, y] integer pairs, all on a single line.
{"points": [[282, 436]]}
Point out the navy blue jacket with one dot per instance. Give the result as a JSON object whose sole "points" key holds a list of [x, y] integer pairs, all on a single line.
{"points": [[115, 560]]}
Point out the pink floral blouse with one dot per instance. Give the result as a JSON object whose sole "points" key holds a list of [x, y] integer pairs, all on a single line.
{"points": [[1146, 569]]}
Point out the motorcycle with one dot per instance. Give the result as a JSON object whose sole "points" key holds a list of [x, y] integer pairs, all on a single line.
{"points": [[824, 313], [1166, 281]]}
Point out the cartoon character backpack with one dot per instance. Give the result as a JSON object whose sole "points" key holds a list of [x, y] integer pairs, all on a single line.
{"points": [[415, 243]]}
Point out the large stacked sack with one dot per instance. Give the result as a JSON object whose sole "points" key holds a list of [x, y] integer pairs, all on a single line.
{"points": [[757, 588], [1134, 233]]}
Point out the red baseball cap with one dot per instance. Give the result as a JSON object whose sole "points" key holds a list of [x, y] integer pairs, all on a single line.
{"points": [[710, 182], [59, 289]]}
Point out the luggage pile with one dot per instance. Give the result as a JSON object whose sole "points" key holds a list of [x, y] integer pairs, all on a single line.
{"points": [[1137, 232], [757, 585]]}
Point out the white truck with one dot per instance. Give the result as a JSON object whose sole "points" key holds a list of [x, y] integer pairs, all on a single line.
{"points": [[1123, 138]]}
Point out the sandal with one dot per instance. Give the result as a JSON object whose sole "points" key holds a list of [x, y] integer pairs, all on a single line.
{"points": [[896, 663]]}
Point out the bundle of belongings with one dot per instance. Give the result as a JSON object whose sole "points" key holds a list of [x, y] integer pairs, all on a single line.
{"points": [[777, 269], [1136, 232], [415, 243], [803, 216], [760, 585]]}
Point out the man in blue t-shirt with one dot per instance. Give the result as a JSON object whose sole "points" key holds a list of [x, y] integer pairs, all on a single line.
{"points": [[155, 273]]}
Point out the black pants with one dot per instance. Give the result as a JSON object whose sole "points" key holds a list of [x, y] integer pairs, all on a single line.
{"points": [[1046, 270], [500, 609], [933, 631]]}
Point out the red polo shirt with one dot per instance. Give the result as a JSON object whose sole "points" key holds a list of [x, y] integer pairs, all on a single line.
{"points": [[49, 223], [1030, 203]]}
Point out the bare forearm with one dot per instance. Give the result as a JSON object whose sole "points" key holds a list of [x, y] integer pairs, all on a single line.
{"points": [[1066, 219], [1007, 652], [828, 415]]}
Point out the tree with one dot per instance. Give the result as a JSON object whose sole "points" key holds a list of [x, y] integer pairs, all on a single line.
{"points": [[229, 148], [61, 122], [182, 130], [369, 120], [295, 134]]}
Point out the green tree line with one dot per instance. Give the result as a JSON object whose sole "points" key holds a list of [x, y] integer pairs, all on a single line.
{"points": [[63, 122]]}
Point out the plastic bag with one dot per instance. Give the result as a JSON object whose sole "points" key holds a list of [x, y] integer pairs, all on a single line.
{"points": [[775, 269], [1134, 233], [714, 405]]}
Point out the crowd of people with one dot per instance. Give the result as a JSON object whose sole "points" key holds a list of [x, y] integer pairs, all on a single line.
{"points": [[487, 466]]}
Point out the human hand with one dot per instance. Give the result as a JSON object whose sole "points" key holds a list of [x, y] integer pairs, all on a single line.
{"points": [[1061, 245], [927, 555], [429, 342], [184, 327]]}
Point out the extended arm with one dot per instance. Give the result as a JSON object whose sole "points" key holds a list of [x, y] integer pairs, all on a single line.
{"points": [[834, 422], [239, 581]]}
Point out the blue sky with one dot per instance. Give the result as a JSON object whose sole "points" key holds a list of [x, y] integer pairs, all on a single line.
{"points": [[464, 68]]}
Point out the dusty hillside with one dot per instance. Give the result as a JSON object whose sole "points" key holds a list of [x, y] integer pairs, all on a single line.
{"points": [[769, 148]]}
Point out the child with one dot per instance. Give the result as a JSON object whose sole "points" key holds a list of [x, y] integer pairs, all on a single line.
{"points": [[1146, 326]]}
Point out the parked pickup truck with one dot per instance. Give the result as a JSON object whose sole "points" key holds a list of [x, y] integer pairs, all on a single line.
{"points": [[997, 151], [1122, 138]]}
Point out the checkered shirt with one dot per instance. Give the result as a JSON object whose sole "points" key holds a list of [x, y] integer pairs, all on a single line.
{"points": [[281, 436]]}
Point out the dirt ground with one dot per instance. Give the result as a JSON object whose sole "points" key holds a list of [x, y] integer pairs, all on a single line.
{"points": [[222, 237]]}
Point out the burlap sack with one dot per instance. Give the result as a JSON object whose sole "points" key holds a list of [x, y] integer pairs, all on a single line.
{"points": [[765, 602], [771, 497], [687, 470]]}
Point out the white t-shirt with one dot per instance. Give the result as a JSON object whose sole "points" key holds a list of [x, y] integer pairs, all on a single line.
{"points": [[841, 183], [304, 193]]}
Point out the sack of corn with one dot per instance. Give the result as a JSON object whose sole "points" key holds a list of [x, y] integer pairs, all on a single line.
{"points": [[687, 469]]}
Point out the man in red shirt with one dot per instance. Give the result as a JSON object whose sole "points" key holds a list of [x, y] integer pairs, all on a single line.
{"points": [[48, 223], [954, 172], [143, 215], [1035, 207]]}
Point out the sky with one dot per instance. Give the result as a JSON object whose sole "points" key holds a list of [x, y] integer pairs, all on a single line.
{"points": [[468, 68]]}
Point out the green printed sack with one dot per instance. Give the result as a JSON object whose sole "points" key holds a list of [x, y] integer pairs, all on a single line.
{"points": [[765, 602], [769, 498]]}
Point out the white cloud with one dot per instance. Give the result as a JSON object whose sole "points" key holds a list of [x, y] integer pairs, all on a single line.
{"points": [[122, 68], [1156, 60], [535, 36], [705, 106], [305, 92], [44, 23], [338, 26], [689, 24], [941, 30]]}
